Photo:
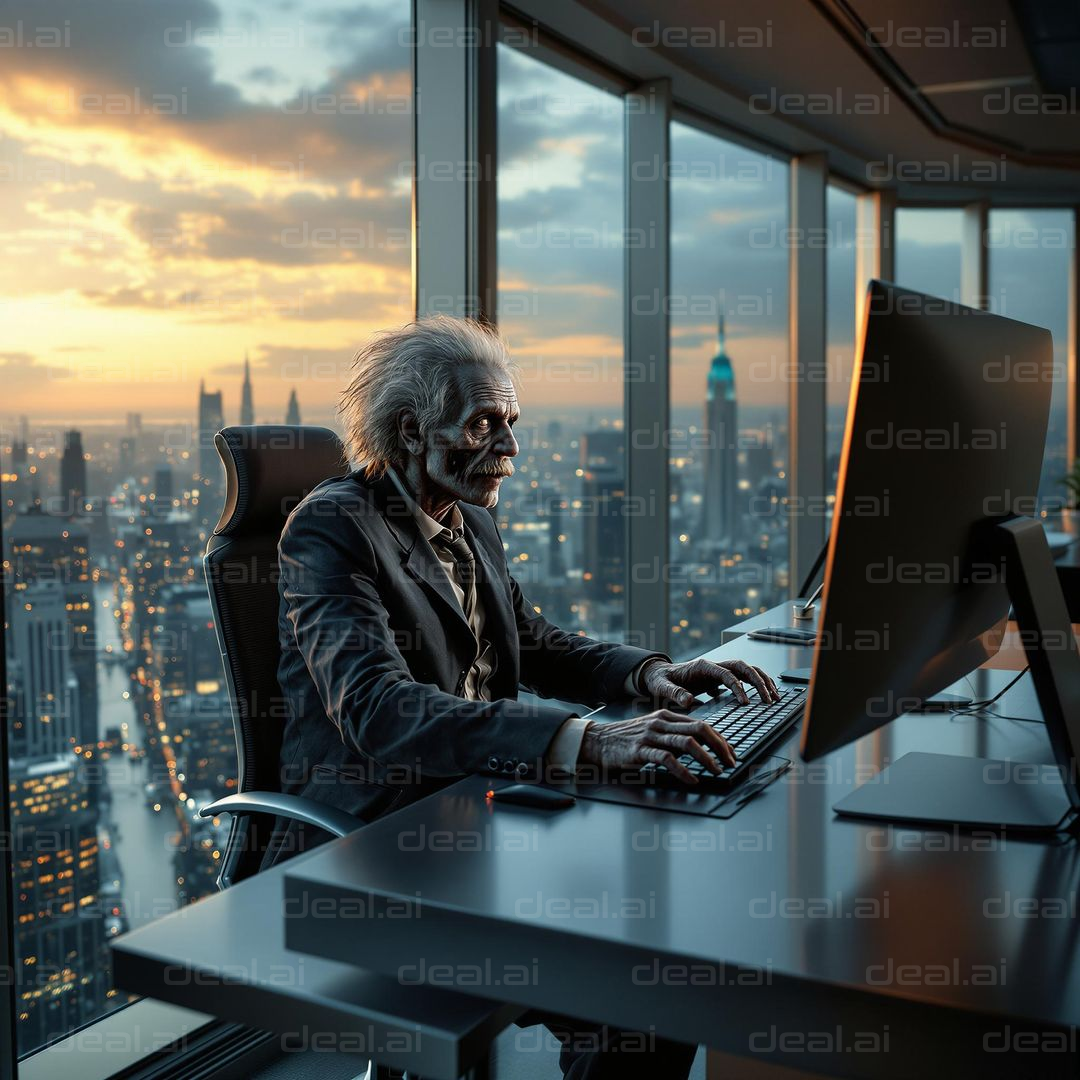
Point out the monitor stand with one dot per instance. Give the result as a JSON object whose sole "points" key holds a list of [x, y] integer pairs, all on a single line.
{"points": [[946, 789]]}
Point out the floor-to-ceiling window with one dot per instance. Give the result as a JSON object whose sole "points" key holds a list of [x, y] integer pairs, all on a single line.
{"points": [[1029, 253], [204, 210], [560, 306], [730, 381]]}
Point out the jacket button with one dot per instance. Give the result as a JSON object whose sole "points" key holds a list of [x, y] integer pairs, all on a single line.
{"points": [[507, 767], [522, 769], [493, 763]]}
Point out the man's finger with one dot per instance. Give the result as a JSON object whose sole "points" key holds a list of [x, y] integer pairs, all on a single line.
{"points": [[705, 735], [769, 682], [704, 675], [687, 744], [708, 735], [659, 756], [732, 682], [674, 693], [753, 677]]}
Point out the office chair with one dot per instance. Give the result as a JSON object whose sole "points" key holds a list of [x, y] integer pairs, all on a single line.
{"points": [[269, 468]]}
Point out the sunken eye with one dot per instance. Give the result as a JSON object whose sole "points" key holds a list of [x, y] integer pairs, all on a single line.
{"points": [[484, 424]]}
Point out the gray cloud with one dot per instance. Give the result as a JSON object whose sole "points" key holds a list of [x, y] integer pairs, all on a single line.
{"points": [[265, 75]]}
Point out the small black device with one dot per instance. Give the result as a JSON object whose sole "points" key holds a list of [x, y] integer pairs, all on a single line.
{"points": [[751, 731], [785, 635], [533, 795], [799, 675], [945, 703]]}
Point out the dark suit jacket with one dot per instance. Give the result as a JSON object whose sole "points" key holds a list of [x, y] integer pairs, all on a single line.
{"points": [[375, 650]]}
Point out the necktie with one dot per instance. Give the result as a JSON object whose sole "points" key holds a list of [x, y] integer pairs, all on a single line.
{"points": [[454, 541]]}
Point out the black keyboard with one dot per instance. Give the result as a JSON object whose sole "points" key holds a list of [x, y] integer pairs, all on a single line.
{"points": [[750, 730]]}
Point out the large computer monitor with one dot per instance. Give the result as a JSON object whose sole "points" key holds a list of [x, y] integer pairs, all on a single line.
{"points": [[932, 537]]}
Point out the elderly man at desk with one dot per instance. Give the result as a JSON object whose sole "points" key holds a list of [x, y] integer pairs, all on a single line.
{"points": [[405, 640]]}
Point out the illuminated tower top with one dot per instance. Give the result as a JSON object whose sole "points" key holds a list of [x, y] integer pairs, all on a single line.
{"points": [[721, 380]]}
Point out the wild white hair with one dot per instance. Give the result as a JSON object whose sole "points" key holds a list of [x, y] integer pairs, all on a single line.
{"points": [[415, 369]]}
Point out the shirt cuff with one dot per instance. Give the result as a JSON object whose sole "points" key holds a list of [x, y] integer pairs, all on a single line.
{"points": [[564, 748], [632, 687]]}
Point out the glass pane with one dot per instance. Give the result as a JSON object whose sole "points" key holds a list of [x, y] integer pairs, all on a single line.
{"points": [[841, 287], [190, 197], [928, 251], [1029, 252], [729, 385], [560, 306]]}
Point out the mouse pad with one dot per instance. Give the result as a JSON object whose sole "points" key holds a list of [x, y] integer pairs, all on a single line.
{"points": [[633, 791]]}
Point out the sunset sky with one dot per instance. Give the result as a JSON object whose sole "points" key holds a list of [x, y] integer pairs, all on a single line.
{"points": [[185, 182]]}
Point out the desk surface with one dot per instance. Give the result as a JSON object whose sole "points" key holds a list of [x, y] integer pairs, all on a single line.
{"points": [[752, 935], [225, 955]]}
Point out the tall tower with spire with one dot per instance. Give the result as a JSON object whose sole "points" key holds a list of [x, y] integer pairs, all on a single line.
{"points": [[247, 405], [719, 522], [292, 413], [211, 421]]}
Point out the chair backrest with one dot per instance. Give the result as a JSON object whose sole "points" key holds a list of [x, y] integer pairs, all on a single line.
{"points": [[269, 468]]}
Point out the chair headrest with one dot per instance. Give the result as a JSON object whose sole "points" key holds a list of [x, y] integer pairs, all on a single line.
{"points": [[269, 468]]}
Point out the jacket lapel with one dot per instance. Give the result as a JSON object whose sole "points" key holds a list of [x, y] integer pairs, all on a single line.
{"points": [[417, 558]]}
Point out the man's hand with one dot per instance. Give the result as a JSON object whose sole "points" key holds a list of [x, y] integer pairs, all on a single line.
{"points": [[659, 737], [676, 684]]}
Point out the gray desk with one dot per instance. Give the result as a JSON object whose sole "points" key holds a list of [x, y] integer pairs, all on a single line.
{"points": [[783, 935], [225, 955]]}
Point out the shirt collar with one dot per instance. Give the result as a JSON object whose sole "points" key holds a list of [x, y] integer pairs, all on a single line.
{"points": [[429, 527]]}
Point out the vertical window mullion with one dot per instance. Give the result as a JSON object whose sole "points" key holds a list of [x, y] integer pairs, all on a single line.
{"points": [[806, 490], [1072, 350], [646, 371], [453, 151], [974, 263], [8, 1041], [875, 252]]}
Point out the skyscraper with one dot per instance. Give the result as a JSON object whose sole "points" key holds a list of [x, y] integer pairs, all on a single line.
{"points": [[47, 549], [163, 488], [72, 474], [602, 493], [211, 420], [127, 459], [719, 521], [50, 725], [18, 451], [64, 972], [247, 405], [292, 414]]}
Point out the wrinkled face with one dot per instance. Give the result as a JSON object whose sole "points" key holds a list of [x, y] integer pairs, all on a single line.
{"points": [[468, 457]]}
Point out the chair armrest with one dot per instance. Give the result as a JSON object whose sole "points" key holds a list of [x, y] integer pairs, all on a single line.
{"points": [[297, 807]]}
